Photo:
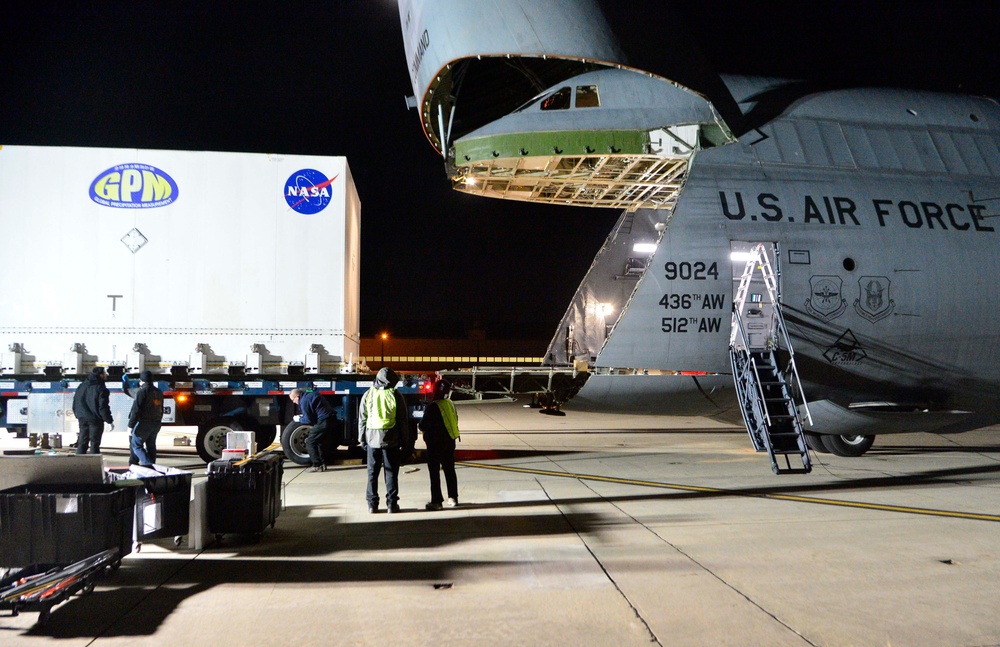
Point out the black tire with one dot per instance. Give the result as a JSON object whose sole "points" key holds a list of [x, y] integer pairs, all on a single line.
{"points": [[852, 446], [815, 443], [293, 442], [212, 437], [265, 436]]}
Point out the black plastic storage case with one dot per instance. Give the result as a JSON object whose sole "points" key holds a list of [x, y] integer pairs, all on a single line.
{"points": [[244, 497], [64, 523], [163, 506]]}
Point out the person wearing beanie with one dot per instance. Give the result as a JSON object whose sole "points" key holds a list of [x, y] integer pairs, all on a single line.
{"points": [[144, 419], [440, 427], [383, 430], [92, 408]]}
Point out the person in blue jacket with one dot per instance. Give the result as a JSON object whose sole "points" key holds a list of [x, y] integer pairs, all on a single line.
{"points": [[314, 411]]}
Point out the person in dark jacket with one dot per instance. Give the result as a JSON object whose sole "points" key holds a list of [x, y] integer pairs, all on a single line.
{"points": [[383, 430], [144, 419], [314, 411], [91, 406], [440, 427]]}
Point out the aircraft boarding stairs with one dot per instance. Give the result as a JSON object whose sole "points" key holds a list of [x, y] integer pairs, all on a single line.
{"points": [[764, 373]]}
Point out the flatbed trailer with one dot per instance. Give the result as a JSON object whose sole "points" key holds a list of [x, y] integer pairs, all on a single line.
{"points": [[549, 386], [216, 406]]}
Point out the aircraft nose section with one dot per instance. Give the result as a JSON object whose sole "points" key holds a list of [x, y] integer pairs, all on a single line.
{"points": [[613, 138]]}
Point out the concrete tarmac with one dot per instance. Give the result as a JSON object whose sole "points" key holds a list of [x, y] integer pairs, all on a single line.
{"points": [[586, 529]]}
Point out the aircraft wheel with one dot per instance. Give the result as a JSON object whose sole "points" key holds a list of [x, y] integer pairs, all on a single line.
{"points": [[848, 445], [293, 442], [815, 443]]}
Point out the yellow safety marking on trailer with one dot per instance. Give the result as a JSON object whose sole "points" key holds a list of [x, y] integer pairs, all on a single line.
{"points": [[954, 514]]}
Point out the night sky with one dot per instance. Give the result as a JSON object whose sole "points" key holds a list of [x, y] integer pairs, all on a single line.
{"points": [[329, 78]]}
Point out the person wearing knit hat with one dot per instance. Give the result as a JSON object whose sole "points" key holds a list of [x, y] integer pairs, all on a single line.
{"points": [[144, 419], [383, 430]]}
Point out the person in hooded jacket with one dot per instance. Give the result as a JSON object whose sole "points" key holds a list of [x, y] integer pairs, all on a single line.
{"points": [[92, 408], [383, 430], [440, 427], [144, 419]]}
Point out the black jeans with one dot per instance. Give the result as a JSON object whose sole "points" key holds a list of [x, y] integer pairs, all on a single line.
{"points": [[390, 457], [441, 456], [90, 436], [314, 442]]}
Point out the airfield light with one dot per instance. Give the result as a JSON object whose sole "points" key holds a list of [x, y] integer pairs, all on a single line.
{"points": [[644, 248]]}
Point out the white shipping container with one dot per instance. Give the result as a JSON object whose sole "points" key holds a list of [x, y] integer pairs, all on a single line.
{"points": [[154, 258]]}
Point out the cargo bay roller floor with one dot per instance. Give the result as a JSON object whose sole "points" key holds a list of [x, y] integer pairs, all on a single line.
{"points": [[588, 530]]}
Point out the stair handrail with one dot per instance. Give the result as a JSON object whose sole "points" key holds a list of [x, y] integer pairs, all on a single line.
{"points": [[792, 365], [771, 285]]}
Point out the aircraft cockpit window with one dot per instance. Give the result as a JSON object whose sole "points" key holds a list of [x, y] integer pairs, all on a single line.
{"points": [[533, 101], [587, 97], [558, 100]]}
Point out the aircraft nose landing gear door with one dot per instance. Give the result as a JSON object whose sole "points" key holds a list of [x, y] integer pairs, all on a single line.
{"points": [[767, 382]]}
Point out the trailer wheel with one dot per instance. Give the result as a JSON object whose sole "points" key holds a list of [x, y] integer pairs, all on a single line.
{"points": [[852, 446], [265, 436], [212, 438], [293, 442]]}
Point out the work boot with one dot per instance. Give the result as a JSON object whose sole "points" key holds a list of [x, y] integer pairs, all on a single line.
{"points": [[433, 505], [318, 468], [393, 508]]}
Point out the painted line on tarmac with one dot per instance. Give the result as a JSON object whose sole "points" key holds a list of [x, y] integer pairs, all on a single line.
{"points": [[954, 514]]}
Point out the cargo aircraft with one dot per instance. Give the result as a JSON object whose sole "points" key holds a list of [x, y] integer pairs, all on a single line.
{"points": [[818, 263]]}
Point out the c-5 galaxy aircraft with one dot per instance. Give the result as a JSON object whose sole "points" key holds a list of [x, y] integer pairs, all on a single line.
{"points": [[820, 264]]}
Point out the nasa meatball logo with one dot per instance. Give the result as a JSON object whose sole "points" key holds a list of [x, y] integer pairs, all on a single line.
{"points": [[133, 186], [308, 191]]}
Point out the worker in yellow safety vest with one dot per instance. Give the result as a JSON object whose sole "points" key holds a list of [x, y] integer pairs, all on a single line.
{"points": [[383, 430], [440, 428]]}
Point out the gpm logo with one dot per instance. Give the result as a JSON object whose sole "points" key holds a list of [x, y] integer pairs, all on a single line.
{"points": [[133, 186], [308, 191]]}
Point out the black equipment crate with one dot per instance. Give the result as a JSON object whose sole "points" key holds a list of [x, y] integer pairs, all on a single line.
{"points": [[162, 506], [64, 523], [244, 498]]}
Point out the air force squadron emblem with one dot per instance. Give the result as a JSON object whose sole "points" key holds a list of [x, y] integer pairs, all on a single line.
{"points": [[826, 300], [874, 303]]}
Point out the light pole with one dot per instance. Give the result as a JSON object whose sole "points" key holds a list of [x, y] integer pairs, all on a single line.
{"points": [[385, 336]]}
